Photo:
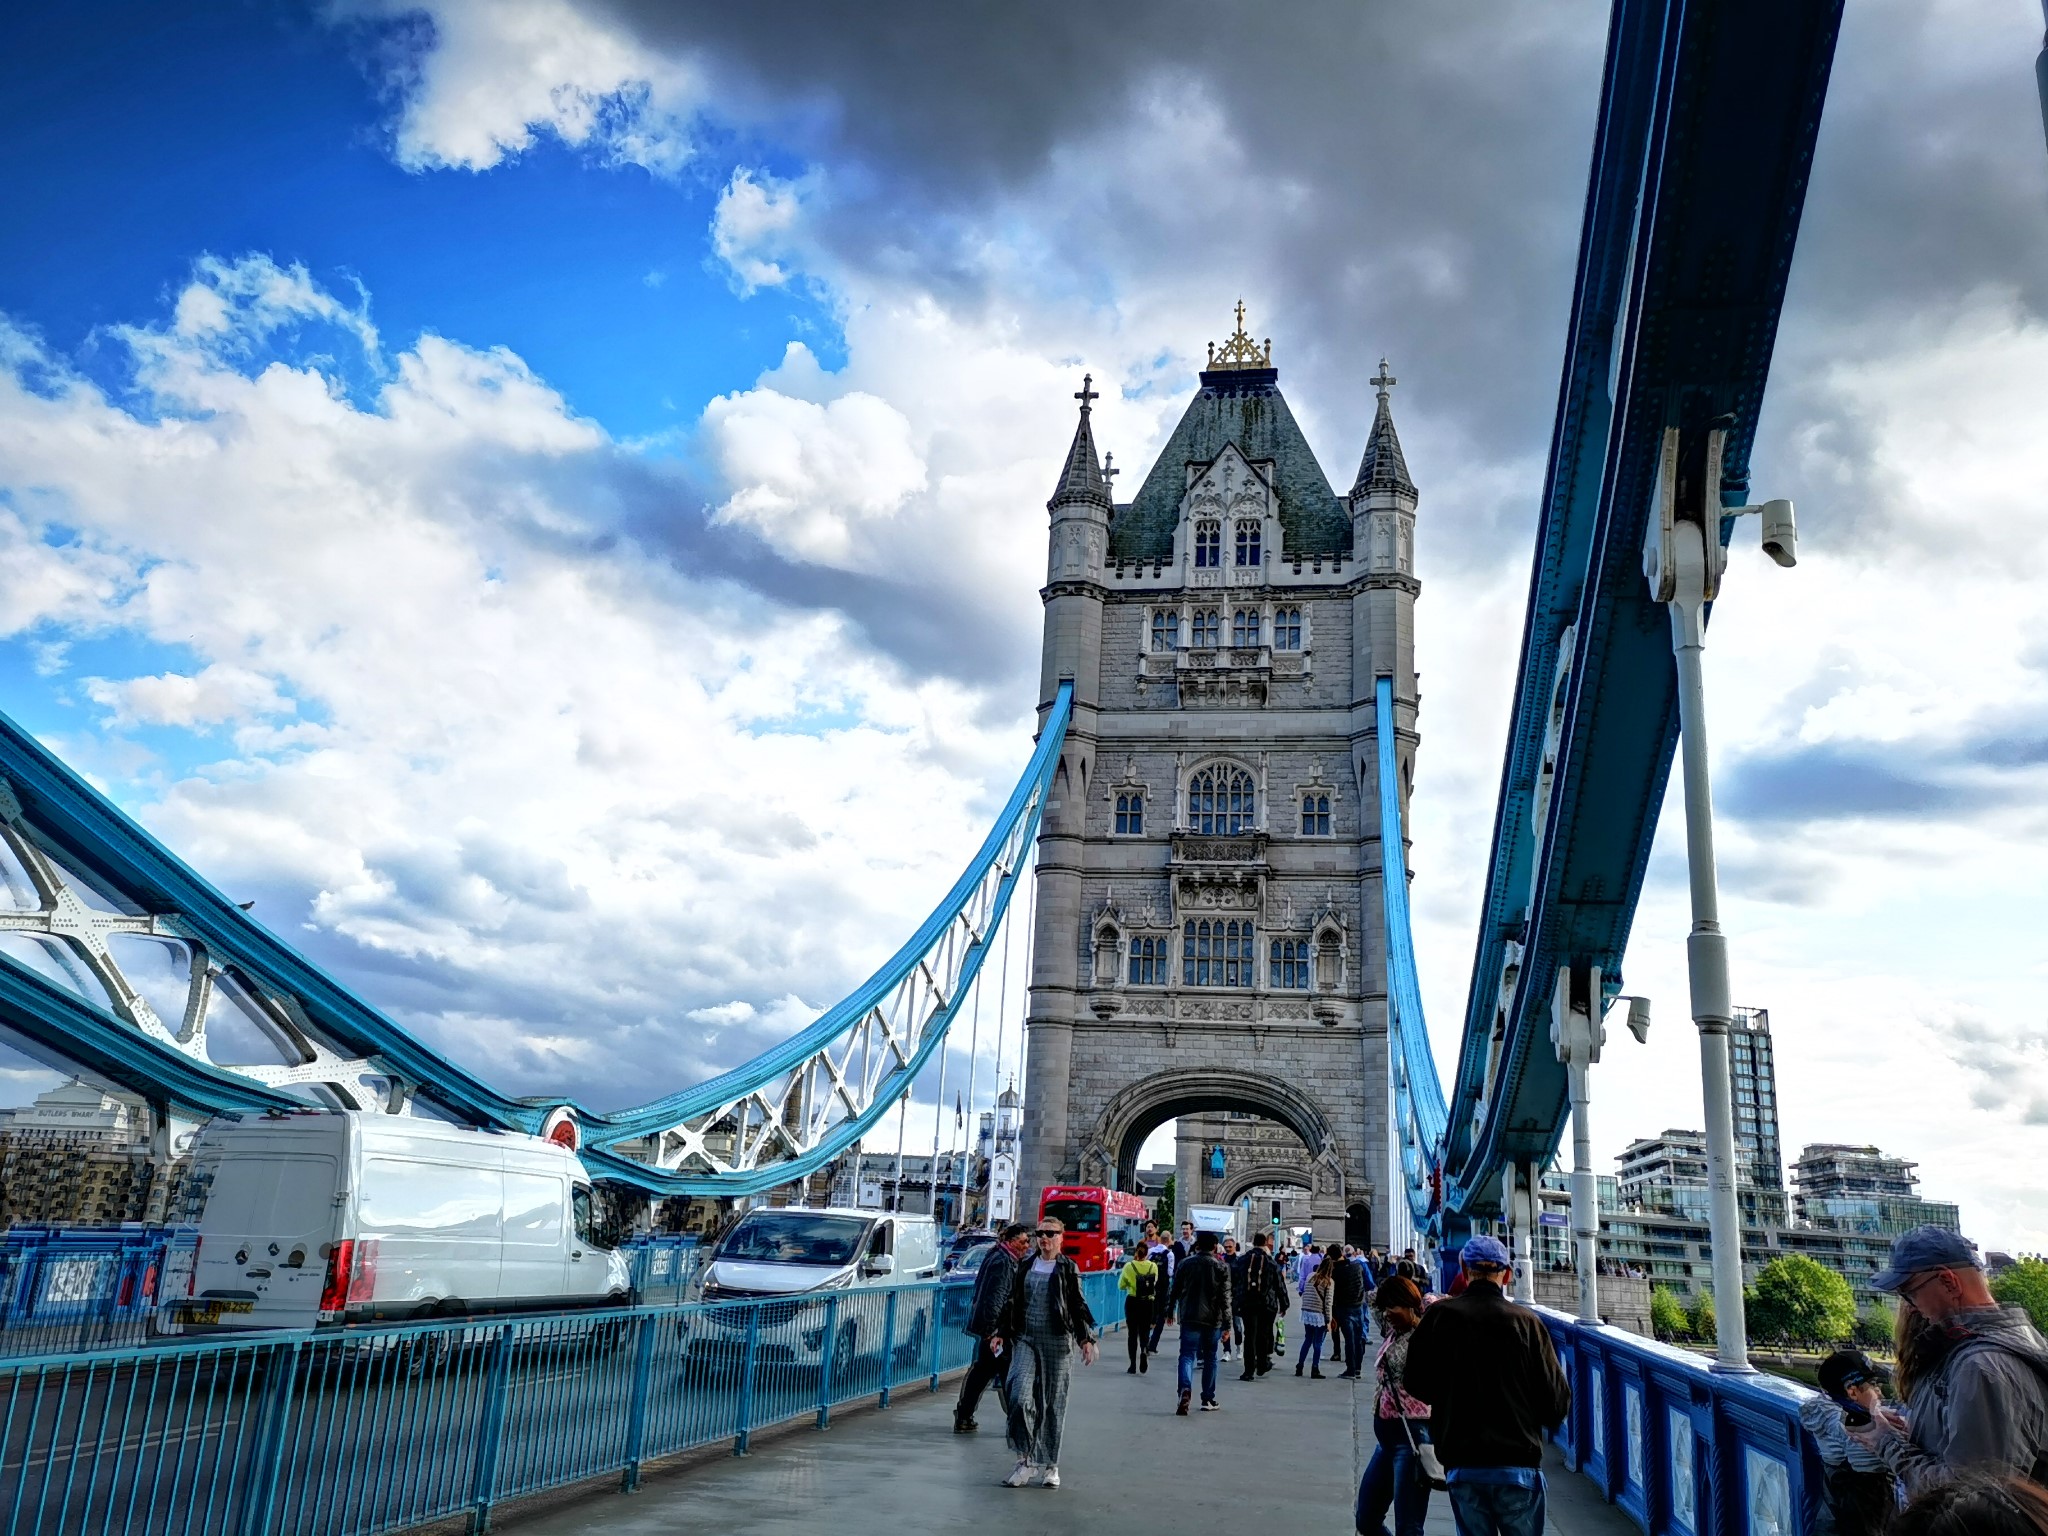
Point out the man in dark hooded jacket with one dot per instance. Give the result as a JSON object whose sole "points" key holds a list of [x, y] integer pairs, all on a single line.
{"points": [[1977, 1395], [991, 1289]]}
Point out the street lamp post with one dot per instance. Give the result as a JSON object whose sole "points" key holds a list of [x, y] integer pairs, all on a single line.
{"points": [[1683, 560], [1577, 1032]]}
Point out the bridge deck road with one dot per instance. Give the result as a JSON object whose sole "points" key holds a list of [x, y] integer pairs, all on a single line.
{"points": [[1284, 1454]]}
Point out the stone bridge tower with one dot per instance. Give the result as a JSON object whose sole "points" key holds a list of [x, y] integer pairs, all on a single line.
{"points": [[1209, 864]]}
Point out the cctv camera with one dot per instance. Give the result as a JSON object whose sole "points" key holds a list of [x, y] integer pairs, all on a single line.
{"points": [[1781, 534], [1639, 1019]]}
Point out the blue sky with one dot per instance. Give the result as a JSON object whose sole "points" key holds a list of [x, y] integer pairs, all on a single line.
{"points": [[546, 496], [140, 137]]}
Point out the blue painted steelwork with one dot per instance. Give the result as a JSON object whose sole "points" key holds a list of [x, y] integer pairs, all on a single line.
{"points": [[1678, 1447], [360, 1431], [100, 877], [1420, 1115], [1708, 117]]}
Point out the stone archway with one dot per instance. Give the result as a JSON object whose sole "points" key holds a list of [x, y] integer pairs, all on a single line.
{"points": [[1110, 1153], [1239, 1183]]}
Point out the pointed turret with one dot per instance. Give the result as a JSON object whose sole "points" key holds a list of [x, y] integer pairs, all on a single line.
{"points": [[1082, 480], [1383, 468]]}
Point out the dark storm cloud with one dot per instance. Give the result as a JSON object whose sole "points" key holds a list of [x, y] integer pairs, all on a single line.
{"points": [[1434, 161]]}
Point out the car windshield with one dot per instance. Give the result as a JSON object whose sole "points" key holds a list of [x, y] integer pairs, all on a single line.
{"points": [[1079, 1215], [970, 1261], [795, 1237]]}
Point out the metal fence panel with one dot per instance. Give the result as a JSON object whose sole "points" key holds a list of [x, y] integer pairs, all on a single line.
{"points": [[358, 1431]]}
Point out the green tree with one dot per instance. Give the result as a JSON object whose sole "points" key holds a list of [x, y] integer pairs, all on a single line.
{"points": [[1667, 1315], [1875, 1327], [1800, 1301], [2025, 1285], [1703, 1317], [1162, 1208]]}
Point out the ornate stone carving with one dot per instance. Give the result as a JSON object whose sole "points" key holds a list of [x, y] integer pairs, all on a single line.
{"points": [[1214, 1009], [1289, 1010], [1149, 1007]]}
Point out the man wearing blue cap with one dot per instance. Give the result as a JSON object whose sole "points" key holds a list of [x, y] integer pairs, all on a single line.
{"points": [[1974, 1375], [1487, 1370]]}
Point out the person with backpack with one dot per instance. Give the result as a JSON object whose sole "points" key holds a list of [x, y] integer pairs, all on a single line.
{"points": [[1143, 1283], [1973, 1375], [1265, 1302]]}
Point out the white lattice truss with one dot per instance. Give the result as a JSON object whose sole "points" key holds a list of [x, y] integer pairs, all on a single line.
{"points": [[77, 936]]}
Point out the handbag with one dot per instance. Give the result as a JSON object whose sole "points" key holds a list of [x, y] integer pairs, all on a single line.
{"points": [[1425, 1454]]}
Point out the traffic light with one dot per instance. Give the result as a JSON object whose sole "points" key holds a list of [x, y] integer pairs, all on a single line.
{"points": [[1276, 1212]]}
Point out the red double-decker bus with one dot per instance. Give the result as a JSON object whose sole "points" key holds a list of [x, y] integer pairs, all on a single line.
{"points": [[1102, 1224]]}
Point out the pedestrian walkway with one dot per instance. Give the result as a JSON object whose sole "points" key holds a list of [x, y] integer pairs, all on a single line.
{"points": [[1285, 1453]]}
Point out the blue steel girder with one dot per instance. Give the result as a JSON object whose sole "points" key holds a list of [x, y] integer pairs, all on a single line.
{"points": [[95, 878], [1418, 1095], [1708, 119]]}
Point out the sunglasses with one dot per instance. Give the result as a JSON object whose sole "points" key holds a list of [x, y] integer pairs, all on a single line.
{"points": [[1042, 1232]]}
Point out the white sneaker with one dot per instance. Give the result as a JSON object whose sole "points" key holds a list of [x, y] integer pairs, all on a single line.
{"points": [[1052, 1477], [1021, 1476]]}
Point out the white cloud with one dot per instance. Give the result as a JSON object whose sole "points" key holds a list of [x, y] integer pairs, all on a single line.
{"points": [[552, 787], [752, 228], [494, 72], [211, 697], [809, 475]]}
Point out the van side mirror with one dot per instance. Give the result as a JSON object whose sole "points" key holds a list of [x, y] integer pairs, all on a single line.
{"points": [[880, 1264]]}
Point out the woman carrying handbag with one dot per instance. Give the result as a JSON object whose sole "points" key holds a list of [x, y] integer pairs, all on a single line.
{"points": [[1402, 1471]]}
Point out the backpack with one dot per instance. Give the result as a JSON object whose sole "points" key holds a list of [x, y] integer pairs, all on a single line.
{"points": [[1149, 1286]]}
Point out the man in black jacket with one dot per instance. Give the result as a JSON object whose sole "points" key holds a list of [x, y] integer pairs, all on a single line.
{"points": [[1490, 1376], [1265, 1298], [1200, 1300], [1351, 1288], [991, 1289]]}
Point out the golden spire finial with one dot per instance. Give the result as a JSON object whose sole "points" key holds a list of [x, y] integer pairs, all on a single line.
{"points": [[1240, 351]]}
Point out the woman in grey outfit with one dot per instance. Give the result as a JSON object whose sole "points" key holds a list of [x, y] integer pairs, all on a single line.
{"points": [[1043, 1319]]}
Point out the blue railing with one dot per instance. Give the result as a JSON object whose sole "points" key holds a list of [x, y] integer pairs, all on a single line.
{"points": [[365, 1430], [1677, 1446], [74, 1289]]}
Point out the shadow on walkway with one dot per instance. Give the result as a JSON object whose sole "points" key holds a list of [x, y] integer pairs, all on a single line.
{"points": [[1285, 1453]]}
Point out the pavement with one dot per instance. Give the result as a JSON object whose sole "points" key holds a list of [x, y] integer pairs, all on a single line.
{"points": [[1285, 1453]]}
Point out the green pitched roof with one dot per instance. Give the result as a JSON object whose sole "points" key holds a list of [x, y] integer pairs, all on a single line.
{"points": [[1242, 406]]}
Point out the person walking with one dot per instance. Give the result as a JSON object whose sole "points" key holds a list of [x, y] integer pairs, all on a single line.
{"points": [[1972, 1374], [1265, 1299], [1233, 1260], [991, 1290], [1317, 1307], [1200, 1299], [1486, 1368], [1142, 1282], [1161, 1253], [1044, 1317], [1348, 1293], [1400, 1425]]}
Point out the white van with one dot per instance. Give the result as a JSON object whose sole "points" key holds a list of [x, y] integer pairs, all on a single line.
{"points": [[325, 1217], [790, 1251]]}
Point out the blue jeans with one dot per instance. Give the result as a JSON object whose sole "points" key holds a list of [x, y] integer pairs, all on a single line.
{"points": [[1393, 1477], [1351, 1323], [1497, 1509], [1199, 1343]]}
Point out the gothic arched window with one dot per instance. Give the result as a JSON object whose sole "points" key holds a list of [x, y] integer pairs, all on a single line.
{"points": [[1130, 815], [1208, 544], [1149, 959], [1208, 627], [1217, 952], [1290, 964], [1315, 815], [1244, 628], [1247, 543], [1222, 802], [1287, 629], [1165, 629]]}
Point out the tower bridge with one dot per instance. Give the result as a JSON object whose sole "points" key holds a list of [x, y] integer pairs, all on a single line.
{"points": [[1213, 823], [1209, 869]]}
